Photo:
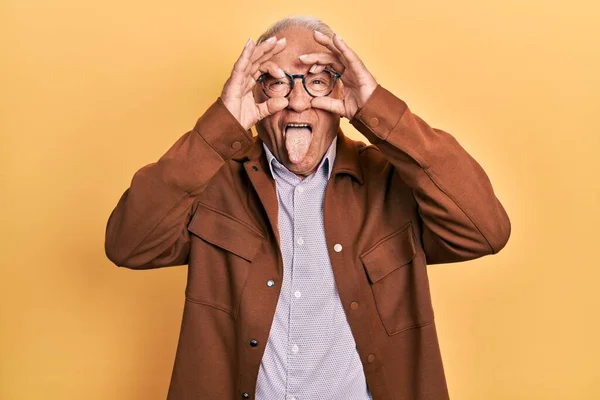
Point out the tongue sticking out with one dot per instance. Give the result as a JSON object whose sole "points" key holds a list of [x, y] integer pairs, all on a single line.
{"points": [[297, 142]]}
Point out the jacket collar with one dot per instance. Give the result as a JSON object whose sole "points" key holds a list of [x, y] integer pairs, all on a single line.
{"points": [[346, 159]]}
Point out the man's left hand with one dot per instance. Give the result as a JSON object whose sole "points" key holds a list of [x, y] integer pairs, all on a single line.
{"points": [[358, 83]]}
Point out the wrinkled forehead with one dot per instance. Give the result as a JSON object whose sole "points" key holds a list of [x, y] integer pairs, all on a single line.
{"points": [[299, 41]]}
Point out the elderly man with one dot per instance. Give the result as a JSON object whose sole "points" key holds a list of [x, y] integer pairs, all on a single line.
{"points": [[307, 250]]}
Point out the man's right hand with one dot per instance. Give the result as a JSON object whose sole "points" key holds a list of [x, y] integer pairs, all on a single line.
{"points": [[237, 92]]}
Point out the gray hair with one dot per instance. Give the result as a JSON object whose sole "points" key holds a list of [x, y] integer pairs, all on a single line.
{"points": [[311, 23]]}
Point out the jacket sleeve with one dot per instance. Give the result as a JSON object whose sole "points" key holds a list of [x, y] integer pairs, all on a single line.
{"points": [[148, 227], [461, 217]]}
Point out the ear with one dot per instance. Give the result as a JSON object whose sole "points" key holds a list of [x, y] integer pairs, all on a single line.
{"points": [[261, 132], [338, 91], [258, 94]]}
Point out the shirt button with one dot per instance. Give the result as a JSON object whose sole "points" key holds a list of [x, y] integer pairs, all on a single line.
{"points": [[300, 189], [371, 358], [270, 283], [337, 247], [374, 122], [254, 343], [354, 305], [295, 348], [297, 294], [300, 241], [236, 145]]}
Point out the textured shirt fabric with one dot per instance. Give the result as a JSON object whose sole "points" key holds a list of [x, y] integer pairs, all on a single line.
{"points": [[311, 353]]}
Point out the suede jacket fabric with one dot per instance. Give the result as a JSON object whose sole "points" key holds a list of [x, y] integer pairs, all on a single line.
{"points": [[414, 197]]}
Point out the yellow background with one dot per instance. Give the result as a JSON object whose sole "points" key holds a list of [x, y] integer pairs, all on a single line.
{"points": [[92, 91]]}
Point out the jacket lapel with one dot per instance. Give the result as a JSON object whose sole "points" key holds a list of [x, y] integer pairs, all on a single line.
{"points": [[346, 159], [255, 164], [256, 167]]}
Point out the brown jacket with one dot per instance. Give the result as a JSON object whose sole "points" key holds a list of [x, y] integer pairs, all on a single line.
{"points": [[414, 197]]}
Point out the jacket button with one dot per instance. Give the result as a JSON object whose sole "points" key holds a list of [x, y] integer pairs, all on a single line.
{"points": [[236, 145], [374, 122], [254, 343], [337, 247], [371, 358], [354, 305], [254, 167], [245, 395], [270, 283]]}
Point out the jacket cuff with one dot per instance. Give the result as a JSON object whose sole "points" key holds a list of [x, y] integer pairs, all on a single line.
{"points": [[379, 115], [222, 131]]}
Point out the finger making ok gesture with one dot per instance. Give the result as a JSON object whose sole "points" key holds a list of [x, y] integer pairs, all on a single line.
{"points": [[237, 91], [358, 83]]}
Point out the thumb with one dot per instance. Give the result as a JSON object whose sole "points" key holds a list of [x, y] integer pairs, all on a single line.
{"points": [[330, 104], [271, 106]]}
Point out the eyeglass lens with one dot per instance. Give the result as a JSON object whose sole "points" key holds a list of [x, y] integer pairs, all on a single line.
{"points": [[319, 84]]}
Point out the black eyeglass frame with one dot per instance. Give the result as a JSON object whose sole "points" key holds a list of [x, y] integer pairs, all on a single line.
{"points": [[293, 78]]}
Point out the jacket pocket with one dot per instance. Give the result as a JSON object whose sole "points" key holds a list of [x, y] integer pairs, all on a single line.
{"points": [[222, 250], [225, 231], [400, 285]]}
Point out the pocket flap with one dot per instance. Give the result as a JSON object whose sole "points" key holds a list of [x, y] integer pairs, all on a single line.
{"points": [[226, 232], [389, 254]]}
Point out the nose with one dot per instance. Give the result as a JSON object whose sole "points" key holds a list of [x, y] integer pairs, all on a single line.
{"points": [[299, 99]]}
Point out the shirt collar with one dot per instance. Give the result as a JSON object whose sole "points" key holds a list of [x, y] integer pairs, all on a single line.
{"points": [[327, 161]]}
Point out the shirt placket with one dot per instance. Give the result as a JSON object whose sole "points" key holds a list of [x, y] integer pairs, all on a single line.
{"points": [[296, 332]]}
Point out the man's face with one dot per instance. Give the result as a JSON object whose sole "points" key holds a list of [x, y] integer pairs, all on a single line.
{"points": [[299, 149]]}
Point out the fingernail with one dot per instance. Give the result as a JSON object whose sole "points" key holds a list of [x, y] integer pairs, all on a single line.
{"points": [[271, 39], [303, 56], [248, 42], [319, 33], [313, 68], [281, 73], [340, 38], [282, 40]]}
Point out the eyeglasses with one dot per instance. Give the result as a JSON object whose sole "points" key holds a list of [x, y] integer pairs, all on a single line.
{"points": [[316, 85]]}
